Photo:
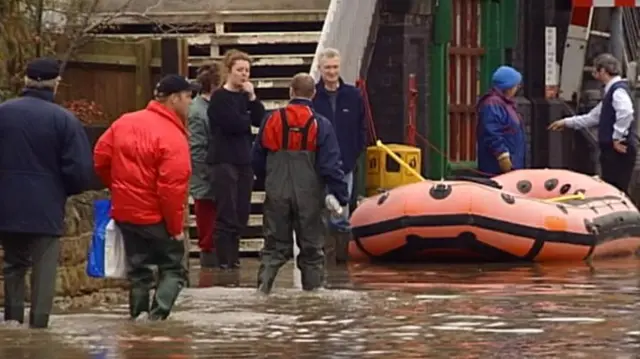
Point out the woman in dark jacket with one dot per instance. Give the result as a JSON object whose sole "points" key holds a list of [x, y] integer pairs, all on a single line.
{"points": [[233, 109], [200, 185]]}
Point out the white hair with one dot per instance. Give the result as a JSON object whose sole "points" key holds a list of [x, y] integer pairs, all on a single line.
{"points": [[44, 84], [328, 53]]}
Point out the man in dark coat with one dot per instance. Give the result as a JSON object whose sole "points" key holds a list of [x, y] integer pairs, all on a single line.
{"points": [[45, 157], [343, 105]]}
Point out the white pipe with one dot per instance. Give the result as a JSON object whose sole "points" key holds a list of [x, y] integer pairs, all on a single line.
{"points": [[326, 31]]}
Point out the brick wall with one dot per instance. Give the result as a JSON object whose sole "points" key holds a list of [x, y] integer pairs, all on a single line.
{"points": [[403, 47]]}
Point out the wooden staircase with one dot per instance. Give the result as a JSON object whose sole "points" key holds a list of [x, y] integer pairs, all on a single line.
{"points": [[281, 43]]}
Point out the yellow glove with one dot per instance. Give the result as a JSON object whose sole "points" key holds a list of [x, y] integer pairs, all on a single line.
{"points": [[504, 160]]}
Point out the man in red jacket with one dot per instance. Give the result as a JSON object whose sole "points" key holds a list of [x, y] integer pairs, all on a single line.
{"points": [[143, 158]]}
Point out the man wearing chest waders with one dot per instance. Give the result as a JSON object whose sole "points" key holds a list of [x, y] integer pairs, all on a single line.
{"points": [[297, 153], [615, 119]]}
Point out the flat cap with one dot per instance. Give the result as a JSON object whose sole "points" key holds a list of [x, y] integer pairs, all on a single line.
{"points": [[43, 69]]}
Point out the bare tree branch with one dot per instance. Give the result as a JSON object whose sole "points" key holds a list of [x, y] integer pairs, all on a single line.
{"points": [[80, 37], [67, 25]]}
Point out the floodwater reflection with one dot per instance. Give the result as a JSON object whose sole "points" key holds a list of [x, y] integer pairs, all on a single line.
{"points": [[551, 311]]}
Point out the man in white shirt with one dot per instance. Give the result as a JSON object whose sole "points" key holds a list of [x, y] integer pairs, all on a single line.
{"points": [[615, 119]]}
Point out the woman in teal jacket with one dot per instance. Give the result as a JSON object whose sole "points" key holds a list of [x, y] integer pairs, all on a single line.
{"points": [[200, 185]]}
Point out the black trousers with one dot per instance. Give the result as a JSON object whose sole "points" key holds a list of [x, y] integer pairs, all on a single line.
{"points": [[232, 187], [617, 167], [151, 245], [22, 251]]}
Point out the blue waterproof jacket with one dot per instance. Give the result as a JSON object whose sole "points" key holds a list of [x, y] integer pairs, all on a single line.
{"points": [[45, 157], [500, 129], [348, 120]]}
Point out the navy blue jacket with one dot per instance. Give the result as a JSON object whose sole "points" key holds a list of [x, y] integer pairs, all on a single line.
{"points": [[231, 116], [608, 118], [500, 130], [348, 120], [328, 164], [45, 157]]}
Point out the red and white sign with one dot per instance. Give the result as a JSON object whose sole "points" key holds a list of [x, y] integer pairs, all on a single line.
{"points": [[606, 3]]}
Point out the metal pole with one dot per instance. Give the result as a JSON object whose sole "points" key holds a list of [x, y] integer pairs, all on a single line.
{"points": [[412, 107], [616, 43], [439, 104]]}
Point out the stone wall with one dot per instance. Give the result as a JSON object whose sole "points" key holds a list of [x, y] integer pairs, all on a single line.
{"points": [[73, 287]]}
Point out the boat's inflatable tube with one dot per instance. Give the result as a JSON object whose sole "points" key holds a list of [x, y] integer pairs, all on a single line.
{"points": [[464, 220]]}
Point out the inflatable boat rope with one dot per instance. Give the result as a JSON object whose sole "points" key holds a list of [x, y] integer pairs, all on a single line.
{"points": [[577, 196]]}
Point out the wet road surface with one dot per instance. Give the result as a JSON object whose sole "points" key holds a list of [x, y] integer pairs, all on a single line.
{"points": [[472, 311]]}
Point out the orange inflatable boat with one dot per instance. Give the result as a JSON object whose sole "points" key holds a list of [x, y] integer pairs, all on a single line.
{"points": [[511, 217]]}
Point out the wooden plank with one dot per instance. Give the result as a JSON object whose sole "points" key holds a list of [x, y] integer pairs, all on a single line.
{"points": [[201, 17], [112, 47], [242, 38], [143, 73], [261, 60], [256, 38], [183, 57], [109, 59]]}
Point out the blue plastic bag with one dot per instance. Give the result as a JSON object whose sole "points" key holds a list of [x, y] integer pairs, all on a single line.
{"points": [[106, 257]]}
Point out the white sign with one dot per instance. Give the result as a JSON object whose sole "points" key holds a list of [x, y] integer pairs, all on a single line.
{"points": [[551, 67]]}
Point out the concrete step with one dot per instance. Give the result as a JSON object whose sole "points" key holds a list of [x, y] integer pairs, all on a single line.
{"points": [[270, 105], [255, 220], [255, 38], [256, 197], [271, 82], [247, 245], [260, 60]]}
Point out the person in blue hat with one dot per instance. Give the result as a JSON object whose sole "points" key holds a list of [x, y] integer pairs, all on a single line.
{"points": [[45, 157], [501, 137]]}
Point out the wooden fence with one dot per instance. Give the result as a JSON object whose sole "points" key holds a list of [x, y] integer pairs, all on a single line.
{"points": [[116, 74]]}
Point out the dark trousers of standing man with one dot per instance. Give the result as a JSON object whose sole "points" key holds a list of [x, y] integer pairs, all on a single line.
{"points": [[617, 167], [232, 187], [39, 252], [293, 203], [145, 246]]}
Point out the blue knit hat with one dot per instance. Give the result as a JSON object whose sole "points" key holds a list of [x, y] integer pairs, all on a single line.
{"points": [[506, 77]]}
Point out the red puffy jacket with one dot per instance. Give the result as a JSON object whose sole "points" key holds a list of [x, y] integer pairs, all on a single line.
{"points": [[143, 158]]}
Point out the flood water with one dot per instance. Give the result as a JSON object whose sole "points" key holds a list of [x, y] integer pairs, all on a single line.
{"points": [[550, 311]]}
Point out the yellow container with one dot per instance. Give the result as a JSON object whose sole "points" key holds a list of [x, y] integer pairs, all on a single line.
{"points": [[384, 173]]}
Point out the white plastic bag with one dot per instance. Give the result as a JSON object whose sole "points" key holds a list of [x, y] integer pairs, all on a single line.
{"points": [[115, 260], [106, 257]]}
